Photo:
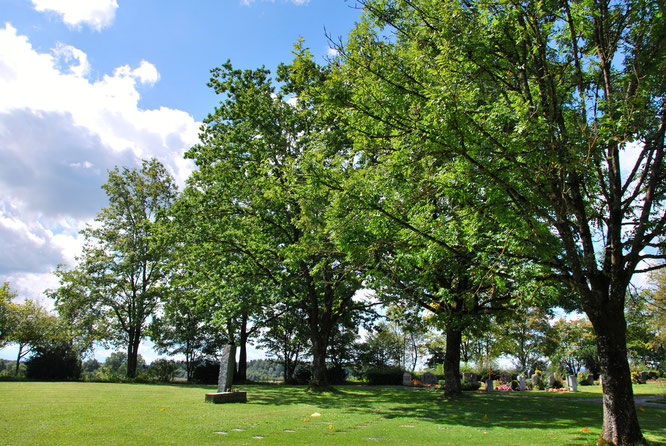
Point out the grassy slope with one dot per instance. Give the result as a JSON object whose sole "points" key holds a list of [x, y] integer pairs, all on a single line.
{"points": [[98, 413]]}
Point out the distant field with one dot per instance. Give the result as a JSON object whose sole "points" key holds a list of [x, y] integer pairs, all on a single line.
{"points": [[131, 414]]}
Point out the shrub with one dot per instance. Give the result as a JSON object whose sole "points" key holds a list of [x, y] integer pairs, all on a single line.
{"points": [[54, 362], [378, 376], [302, 375], [206, 372], [470, 386], [514, 384], [161, 370], [441, 383]]}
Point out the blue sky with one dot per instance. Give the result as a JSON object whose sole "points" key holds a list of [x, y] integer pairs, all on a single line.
{"points": [[90, 84]]}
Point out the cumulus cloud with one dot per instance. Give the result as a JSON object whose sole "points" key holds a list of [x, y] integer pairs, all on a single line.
{"points": [[97, 14], [60, 132]]}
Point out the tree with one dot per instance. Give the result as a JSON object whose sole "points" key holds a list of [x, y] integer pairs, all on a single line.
{"points": [[646, 331], [6, 296], [526, 336], [285, 338], [259, 206], [536, 104], [31, 325], [186, 327], [120, 278], [574, 345]]}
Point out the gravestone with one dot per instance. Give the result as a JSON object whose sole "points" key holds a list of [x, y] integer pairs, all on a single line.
{"points": [[505, 377], [590, 379], [522, 385], [572, 383], [551, 381], [470, 377], [406, 379], [490, 386], [536, 380], [225, 378], [428, 378], [643, 377]]}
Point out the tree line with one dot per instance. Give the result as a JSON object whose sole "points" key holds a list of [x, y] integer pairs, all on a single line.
{"points": [[464, 160]]}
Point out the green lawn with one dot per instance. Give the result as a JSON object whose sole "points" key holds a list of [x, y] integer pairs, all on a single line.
{"points": [[128, 414]]}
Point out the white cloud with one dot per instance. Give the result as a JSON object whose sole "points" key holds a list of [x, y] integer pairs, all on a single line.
{"points": [[59, 134], [97, 14]]}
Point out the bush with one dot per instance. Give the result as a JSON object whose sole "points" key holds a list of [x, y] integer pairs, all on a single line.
{"points": [[162, 370], [382, 376], [302, 375], [470, 386], [441, 383], [206, 372], [54, 362], [514, 384]]}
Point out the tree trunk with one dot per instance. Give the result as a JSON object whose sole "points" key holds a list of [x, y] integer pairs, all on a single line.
{"points": [[133, 354], [18, 359], [452, 362], [241, 375], [620, 425], [319, 377]]}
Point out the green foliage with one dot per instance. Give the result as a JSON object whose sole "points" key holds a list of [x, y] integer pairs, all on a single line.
{"points": [[382, 376], [6, 296], [161, 370], [57, 361], [121, 276]]}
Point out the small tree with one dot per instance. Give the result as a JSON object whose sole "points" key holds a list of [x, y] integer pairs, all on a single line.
{"points": [[31, 325]]}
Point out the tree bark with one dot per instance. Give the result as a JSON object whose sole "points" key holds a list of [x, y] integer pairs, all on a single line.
{"points": [[18, 359], [133, 353], [319, 376], [620, 423], [241, 374], [452, 362]]}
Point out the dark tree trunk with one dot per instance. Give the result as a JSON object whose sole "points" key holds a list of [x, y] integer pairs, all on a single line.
{"points": [[620, 425], [241, 374], [452, 362], [319, 376], [18, 359], [133, 353]]}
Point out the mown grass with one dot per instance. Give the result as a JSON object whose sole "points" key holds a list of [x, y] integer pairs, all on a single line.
{"points": [[33, 413]]}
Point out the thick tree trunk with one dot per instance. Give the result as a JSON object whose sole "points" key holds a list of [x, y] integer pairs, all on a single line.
{"points": [[452, 362], [319, 377], [620, 425], [133, 354]]}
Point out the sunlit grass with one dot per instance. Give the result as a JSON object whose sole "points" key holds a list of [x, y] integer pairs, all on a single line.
{"points": [[99, 413]]}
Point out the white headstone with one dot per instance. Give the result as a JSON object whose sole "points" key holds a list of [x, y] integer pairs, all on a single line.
{"points": [[406, 379], [572, 383], [522, 385]]}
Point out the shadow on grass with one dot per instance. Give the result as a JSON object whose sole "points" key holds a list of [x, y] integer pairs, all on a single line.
{"points": [[472, 410]]}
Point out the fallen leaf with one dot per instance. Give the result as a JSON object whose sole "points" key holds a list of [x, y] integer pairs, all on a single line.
{"points": [[585, 429], [330, 426], [316, 414], [485, 417], [162, 409], [641, 408]]}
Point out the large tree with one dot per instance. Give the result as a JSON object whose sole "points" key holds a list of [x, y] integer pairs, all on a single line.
{"points": [[258, 205], [6, 296], [558, 107], [120, 278]]}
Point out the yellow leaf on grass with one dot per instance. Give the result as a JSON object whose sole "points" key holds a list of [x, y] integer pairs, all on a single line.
{"points": [[330, 426], [641, 408], [585, 429], [485, 417]]}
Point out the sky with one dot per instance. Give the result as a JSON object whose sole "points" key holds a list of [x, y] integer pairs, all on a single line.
{"points": [[87, 85]]}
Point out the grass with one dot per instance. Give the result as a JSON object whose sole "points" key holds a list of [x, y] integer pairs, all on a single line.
{"points": [[35, 413]]}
